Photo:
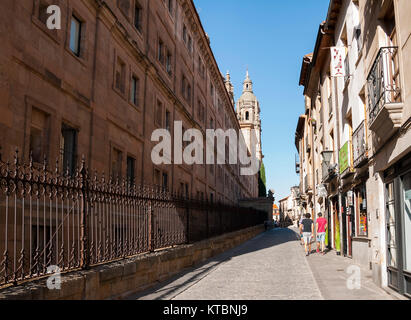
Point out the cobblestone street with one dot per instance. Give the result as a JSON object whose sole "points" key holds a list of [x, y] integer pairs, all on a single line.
{"points": [[272, 266]]}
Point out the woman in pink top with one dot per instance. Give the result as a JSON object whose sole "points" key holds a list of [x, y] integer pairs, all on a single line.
{"points": [[321, 226]]}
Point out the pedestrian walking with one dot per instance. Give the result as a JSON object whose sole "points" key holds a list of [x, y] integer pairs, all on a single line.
{"points": [[321, 226], [308, 228], [300, 227]]}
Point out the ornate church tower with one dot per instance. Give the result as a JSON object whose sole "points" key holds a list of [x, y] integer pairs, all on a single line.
{"points": [[229, 86], [248, 114]]}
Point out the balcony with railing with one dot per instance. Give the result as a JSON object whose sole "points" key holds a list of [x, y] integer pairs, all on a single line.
{"points": [[297, 164], [384, 94], [347, 69], [359, 143], [328, 169]]}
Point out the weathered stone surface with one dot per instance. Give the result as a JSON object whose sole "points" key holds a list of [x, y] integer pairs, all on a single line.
{"points": [[111, 272], [129, 269]]}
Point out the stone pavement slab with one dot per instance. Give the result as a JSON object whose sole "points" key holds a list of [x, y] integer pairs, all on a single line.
{"points": [[272, 266]]}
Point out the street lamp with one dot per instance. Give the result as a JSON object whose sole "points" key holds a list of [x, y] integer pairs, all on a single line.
{"points": [[327, 154]]}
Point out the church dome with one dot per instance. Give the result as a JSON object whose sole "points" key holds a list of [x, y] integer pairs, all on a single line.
{"points": [[248, 94]]}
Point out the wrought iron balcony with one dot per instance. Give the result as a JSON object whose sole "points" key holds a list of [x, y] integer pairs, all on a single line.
{"points": [[347, 69], [383, 82], [297, 164], [329, 171], [360, 148]]}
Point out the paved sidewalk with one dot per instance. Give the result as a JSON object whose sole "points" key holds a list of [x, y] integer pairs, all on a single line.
{"points": [[271, 266]]}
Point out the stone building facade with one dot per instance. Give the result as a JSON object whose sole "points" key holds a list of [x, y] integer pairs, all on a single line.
{"points": [[116, 71], [357, 128]]}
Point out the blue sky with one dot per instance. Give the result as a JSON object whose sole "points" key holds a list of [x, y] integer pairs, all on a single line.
{"points": [[270, 37]]}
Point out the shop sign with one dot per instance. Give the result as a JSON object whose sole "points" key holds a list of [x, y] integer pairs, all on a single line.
{"points": [[350, 198], [344, 157], [337, 61], [322, 191]]}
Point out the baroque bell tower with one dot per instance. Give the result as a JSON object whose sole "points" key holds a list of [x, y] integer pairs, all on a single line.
{"points": [[248, 114]]}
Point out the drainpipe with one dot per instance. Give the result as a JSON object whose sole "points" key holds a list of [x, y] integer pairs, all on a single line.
{"points": [[145, 93], [337, 123]]}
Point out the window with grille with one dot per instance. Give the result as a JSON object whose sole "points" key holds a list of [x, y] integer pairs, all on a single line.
{"points": [[68, 148]]}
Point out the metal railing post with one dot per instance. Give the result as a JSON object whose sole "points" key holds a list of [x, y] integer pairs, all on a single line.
{"points": [[188, 224], [151, 227], [84, 250], [207, 226]]}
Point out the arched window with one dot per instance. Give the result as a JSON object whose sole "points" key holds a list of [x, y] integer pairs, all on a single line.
{"points": [[247, 116]]}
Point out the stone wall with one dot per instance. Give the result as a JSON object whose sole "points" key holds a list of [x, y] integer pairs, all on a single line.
{"points": [[119, 279]]}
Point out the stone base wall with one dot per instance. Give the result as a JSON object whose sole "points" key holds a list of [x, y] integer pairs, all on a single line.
{"points": [[119, 279]]}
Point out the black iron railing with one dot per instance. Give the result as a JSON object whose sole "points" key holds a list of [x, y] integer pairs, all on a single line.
{"points": [[359, 144], [49, 218], [383, 81]]}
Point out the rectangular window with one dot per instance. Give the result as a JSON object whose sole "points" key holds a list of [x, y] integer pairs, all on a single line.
{"points": [[361, 208], [185, 34], [200, 67], [120, 75], [168, 121], [165, 181], [183, 86], [188, 93], [170, 6], [169, 63], [36, 145], [43, 11], [38, 135], [68, 148], [190, 44], [159, 113], [137, 16], [406, 182], [157, 177], [131, 165], [75, 35], [134, 90], [391, 226], [358, 37], [116, 160], [160, 55]]}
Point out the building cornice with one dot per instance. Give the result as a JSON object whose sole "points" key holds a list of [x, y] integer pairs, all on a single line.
{"points": [[193, 18]]}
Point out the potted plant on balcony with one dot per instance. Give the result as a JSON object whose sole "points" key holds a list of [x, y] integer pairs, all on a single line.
{"points": [[313, 121]]}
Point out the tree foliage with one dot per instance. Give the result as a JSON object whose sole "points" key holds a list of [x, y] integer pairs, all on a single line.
{"points": [[262, 186]]}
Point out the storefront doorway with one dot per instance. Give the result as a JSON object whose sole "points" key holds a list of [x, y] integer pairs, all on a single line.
{"points": [[336, 229], [398, 226]]}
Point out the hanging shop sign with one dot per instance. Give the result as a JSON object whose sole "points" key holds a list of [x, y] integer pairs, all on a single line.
{"points": [[322, 191], [350, 198], [344, 157], [337, 61]]}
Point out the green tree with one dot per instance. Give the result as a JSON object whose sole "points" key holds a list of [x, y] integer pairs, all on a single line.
{"points": [[262, 187]]}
